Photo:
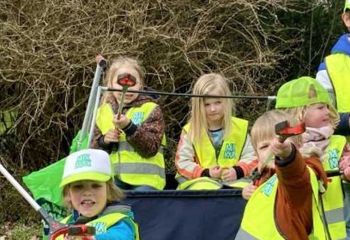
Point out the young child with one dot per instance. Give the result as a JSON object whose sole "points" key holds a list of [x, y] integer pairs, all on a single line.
{"points": [[334, 75], [136, 139], [214, 148], [310, 103], [285, 203], [90, 193]]}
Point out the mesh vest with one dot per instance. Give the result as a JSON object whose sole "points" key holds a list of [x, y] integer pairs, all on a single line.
{"points": [[229, 155], [333, 199], [259, 221], [104, 222], [338, 68], [128, 165]]}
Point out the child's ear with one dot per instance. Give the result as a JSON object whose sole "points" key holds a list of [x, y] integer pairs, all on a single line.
{"points": [[346, 19]]}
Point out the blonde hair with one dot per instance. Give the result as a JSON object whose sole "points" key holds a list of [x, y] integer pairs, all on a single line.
{"points": [[299, 114], [206, 85], [113, 194], [118, 63], [264, 127]]}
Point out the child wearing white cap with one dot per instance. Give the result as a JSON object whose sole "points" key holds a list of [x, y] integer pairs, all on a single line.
{"points": [[89, 191]]}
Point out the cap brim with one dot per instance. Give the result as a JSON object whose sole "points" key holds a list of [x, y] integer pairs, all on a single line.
{"points": [[99, 177]]}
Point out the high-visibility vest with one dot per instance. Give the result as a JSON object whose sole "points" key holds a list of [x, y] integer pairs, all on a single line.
{"points": [[338, 68], [333, 198], [229, 155], [128, 165], [104, 222], [259, 214]]}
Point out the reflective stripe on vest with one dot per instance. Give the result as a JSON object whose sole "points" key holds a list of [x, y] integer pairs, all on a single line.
{"points": [[103, 223], [338, 68], [333, 198], [263, 225], [125, 146], [129, 166], [231, 148]]}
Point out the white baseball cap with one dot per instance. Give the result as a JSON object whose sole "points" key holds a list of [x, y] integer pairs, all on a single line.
{"points": [[87, 164]]}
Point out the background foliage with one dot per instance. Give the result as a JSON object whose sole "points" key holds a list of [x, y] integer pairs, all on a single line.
{"points": [[48, 53]]}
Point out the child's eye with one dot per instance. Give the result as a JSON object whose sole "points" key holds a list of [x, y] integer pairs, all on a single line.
{"points": [[96, 185], [263, 146], [77, 186]]}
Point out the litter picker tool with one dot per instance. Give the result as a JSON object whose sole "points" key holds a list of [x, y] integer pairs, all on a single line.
{"points": [[283, 131], [125, 80], [101, 65], [56, 228]]}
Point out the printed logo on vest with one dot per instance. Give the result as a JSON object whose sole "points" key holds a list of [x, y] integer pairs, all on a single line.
{"points": [[100, 227], [333, 158], [83, 161], [230, 150], [267, 188], [137, 118]]}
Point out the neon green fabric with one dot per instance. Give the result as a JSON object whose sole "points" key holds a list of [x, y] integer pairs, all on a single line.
{"points": [[45, 182], [347, 5], [339, 72], [128, 165], [229, 155], [230, 151], [333, 198], [262, 225], [102, 223], [104, 118], [300, 92]]}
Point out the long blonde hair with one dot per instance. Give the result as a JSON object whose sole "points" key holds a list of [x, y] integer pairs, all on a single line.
{"points": [[206, 85], [118, 63]]}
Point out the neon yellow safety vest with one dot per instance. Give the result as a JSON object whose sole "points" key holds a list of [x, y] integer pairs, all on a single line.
{"points": [[338, 68], [229, 155], [333, 198], [259, 214], [103, 223], [128, 165]]}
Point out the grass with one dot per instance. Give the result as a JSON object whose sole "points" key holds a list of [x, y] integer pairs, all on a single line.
{"points": [[20, 231]]}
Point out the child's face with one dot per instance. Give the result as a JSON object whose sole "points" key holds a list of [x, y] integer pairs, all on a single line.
{"points": [[214, 110], [89, 198], [263, 152], [317, 115], [129, 97]]}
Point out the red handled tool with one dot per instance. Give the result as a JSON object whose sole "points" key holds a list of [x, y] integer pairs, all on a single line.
{"points": [[125, 80]]}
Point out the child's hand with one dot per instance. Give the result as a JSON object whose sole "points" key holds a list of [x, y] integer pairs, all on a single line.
{"points": [[344, 165], [122, 122], [228, 174], [248, 191], [215, 172], [279, 149], [98, 58], [111, 136]]}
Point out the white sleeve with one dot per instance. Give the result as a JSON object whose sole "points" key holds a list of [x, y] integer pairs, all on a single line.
{"points": [[323, 78], [248, 153]]}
